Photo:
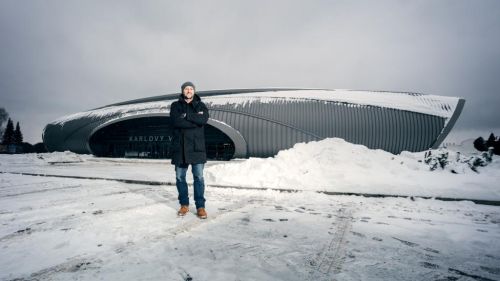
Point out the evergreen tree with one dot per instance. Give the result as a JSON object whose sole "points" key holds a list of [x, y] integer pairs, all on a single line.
{"points": [[496, 147], [8, 135], [491, 141], [480, 144], [18, 135]]}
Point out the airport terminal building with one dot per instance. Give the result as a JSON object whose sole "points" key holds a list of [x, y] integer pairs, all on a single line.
{"points": [[261, 122]]}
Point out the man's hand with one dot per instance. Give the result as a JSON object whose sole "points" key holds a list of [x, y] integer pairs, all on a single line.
{"points": [[183, 115]]}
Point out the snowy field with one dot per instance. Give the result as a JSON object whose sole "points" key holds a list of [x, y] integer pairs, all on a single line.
{"points": [[86, 229]]}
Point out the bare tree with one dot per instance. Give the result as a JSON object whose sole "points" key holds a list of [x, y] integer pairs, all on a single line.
{"points": [[4, 116]]}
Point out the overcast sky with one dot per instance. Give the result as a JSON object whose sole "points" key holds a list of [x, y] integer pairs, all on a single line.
{"points": [[63, 57]]}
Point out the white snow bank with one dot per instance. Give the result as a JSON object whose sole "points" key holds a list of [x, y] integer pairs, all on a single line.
{"points": [[339, 166], [44, 158], [316, 164]]}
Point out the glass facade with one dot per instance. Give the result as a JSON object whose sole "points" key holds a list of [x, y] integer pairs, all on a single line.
{"points": [[151, 137]]}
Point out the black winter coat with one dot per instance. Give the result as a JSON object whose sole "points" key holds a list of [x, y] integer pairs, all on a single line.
{"points": [[188, 120]]}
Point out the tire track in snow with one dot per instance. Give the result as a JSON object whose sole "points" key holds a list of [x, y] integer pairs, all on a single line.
{"points": [[331, 257], [41, 190], [75, 265]]}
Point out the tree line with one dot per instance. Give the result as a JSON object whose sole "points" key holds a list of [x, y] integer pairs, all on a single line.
{"points": [[493, 143], [11, 135], [12, 138]]}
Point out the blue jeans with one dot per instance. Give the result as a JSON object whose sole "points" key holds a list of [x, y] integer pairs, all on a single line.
{"points": [[199, 184]]}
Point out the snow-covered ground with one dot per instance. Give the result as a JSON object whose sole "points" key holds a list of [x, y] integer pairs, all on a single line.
{"points": [[66, 228]]}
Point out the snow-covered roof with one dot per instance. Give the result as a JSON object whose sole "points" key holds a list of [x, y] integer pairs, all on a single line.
{"points": [[122, 110], [428, 104], [441, 106]]}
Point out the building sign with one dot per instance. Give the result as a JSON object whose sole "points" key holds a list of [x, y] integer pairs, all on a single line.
{"points": [[149, 138]]}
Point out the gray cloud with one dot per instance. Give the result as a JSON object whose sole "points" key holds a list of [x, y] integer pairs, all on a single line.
{"points": [[61, 57]]}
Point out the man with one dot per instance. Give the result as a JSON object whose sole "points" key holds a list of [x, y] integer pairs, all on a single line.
{"points": [[189, 115]]}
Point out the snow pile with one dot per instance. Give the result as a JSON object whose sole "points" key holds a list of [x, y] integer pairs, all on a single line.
{"points": [[43, 158], [62, 157], [338, 166], [317, 164]]}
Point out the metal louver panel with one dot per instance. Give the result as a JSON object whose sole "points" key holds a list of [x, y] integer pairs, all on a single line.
{"points": [[385, 128]]}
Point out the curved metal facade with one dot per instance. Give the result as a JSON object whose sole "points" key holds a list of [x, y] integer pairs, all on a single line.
{"points": [[270, 127], [262, 122]]}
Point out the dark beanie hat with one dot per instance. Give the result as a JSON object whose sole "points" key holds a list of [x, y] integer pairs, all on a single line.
{"points": [[187, 84]]}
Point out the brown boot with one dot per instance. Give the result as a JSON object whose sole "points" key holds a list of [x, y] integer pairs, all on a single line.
{"points": [[201, 213], [183, 210]]}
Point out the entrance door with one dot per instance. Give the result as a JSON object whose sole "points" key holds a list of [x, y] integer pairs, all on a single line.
{"points": [[151, 137]]}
